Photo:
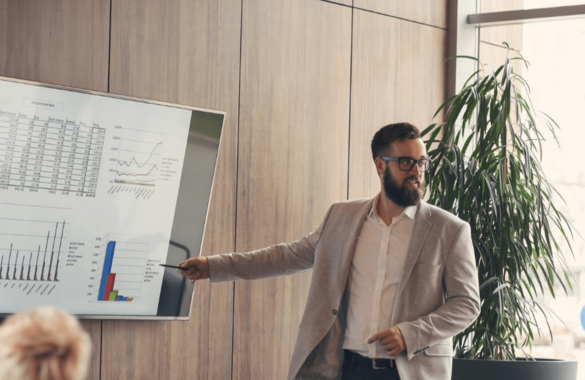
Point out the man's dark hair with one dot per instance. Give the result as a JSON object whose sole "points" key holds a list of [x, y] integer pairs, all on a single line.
{"points": [[390, 133]]}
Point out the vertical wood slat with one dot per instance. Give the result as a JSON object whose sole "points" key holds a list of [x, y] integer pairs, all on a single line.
{"points": [[430, 12], [292, 160], [184, 52], [94, 328], [398, 74], [62, 42]]}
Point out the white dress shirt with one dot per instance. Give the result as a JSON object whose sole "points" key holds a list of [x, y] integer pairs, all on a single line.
{"points": [[373, 278]]}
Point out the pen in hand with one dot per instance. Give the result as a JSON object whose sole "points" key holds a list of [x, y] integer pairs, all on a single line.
{"points": [[195, 268], [173, 266]]}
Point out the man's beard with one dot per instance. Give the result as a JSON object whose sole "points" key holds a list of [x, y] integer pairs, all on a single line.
{"points": [[401, 195]]}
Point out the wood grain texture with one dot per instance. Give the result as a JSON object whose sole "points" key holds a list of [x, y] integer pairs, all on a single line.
{"points": [[94, 328], [56, 41], [184, 52], [292, 160], [398, 74], [430, 12]]}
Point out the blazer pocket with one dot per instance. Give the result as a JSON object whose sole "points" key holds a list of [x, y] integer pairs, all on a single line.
{"points": [[440, 350]]}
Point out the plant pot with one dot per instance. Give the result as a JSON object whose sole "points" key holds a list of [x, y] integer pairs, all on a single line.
{"points": [[521, 369]]}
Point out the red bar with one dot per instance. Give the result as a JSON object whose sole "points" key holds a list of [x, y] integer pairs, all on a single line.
{"points": [[109, 286]]}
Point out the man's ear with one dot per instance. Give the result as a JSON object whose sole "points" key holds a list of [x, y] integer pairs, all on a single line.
{"points": [[380, 166]]}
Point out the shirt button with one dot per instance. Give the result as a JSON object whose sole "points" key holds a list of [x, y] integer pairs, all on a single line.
{"points": [[334, 312]]}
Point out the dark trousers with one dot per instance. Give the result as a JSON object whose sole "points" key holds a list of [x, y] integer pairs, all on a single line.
{"points": [[355, 367]]}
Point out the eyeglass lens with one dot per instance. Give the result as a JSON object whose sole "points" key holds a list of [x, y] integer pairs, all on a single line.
{"points": [[406, 164]]}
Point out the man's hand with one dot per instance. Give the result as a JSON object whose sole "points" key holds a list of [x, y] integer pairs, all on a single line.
{"points": [[391, 339], [198, 268]]}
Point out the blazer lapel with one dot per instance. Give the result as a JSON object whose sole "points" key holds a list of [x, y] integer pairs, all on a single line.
{"points": [[419, 235], [353, 232]]}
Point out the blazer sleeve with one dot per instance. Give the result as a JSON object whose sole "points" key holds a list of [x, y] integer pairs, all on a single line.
{"points": [[462, 302], [277, 260]]}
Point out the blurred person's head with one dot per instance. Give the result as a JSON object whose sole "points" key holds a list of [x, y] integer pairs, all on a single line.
{"points": [[43, 344]]}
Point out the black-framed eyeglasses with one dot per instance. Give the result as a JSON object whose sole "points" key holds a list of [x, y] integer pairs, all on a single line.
{"points": [[407, 163]]}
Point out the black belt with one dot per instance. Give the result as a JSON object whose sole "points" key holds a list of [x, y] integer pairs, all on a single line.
{"points": [[360, 361]]}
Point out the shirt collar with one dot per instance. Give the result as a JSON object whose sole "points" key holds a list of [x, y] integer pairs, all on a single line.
{"points": [[409, 211]]}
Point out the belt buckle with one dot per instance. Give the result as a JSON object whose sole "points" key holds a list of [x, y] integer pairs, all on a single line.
{"points": [[376, 367]]}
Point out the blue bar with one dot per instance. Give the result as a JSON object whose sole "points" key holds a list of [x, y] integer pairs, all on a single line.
{"points": [[107, 268], [123, 298], [119, 298]]}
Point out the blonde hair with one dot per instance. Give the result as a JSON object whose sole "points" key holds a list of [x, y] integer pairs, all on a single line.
{"points": [[43, 344]]}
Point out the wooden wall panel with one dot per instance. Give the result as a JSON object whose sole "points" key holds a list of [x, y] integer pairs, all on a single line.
{"points": [[431, 12], [292, 160], [184, 52], [398, 74], [94, 328], [56, 41], [61, 42]]}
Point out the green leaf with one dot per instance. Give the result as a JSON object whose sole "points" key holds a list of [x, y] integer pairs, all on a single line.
{"points": [[496, 290]]}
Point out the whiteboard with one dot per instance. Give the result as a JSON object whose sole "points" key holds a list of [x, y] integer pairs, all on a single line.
{"points": [[96, 191]]}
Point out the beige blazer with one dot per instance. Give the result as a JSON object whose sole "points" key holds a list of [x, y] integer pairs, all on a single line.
{"points": [[437, 296]]}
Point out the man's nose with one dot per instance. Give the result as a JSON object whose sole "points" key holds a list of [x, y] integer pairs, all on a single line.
{"points": [[416, 170]]}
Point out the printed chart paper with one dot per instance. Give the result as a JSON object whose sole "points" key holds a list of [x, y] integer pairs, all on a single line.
{"points": [[88, 188]]}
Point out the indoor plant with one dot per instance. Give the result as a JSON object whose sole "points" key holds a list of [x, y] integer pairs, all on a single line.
{"points": [[486, 171]]}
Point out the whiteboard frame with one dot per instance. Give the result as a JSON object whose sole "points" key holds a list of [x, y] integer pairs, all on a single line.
{"points": [[148, 101]]}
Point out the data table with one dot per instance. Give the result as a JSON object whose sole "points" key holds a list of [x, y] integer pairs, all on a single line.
{"points": [[54, 155]]}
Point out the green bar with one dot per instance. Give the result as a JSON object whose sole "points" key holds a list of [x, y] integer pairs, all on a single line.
{"points": [[113, 295]]}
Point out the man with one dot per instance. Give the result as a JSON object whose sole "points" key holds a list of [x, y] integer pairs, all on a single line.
{"points": [[394, 279]]}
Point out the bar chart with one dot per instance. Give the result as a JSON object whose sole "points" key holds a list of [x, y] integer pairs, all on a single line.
{"points": [[122, 265], [26, 254]]}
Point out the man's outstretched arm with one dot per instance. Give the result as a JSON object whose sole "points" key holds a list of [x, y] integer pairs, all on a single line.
{"points": [[277, 260]]}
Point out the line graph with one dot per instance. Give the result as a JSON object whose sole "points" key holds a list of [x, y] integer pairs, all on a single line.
{"points": [[122, 163], [138, 158], [136, 175]]}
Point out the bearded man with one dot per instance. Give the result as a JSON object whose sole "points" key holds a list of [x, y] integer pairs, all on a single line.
{"points": [[394, 278]]}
